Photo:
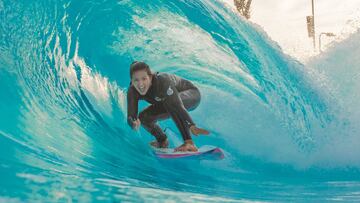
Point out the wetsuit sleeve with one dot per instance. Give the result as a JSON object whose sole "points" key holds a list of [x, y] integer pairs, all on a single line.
{"points": [[173, 102], [132, 106]]}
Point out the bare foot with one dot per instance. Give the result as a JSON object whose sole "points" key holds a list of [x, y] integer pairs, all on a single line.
{"points": [[188, 146]]}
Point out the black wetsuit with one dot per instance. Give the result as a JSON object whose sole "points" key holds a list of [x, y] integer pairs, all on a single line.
{"points": [[170, 96]]}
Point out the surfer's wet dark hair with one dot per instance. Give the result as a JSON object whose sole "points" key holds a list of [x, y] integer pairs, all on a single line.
{"points": [[137, 66]]}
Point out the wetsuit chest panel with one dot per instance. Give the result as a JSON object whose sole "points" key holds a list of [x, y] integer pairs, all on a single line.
{"points": [[154, 95]]}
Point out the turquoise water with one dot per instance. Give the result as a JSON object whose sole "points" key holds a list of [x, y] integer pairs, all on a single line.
{"points": [[289, 131]]}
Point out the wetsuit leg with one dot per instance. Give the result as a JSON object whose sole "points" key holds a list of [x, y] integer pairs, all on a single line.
{"points": [[150, 116], [191, 99]]}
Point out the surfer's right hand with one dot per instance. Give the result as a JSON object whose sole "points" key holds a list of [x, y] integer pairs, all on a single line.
{"points": [[136, 124]]}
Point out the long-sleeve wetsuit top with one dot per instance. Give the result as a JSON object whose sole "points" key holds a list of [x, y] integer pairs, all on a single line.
{"points": [[164, 89]]}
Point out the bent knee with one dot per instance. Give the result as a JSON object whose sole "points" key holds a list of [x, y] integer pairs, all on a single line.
{"points": [[191, 99]]}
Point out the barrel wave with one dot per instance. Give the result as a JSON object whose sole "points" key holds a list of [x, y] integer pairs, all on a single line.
{"points": [[289, 131]]}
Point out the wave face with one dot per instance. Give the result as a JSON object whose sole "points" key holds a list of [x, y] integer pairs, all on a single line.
{"points": [[289, 131]]}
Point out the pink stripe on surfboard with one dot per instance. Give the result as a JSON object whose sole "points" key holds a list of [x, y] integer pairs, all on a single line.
{"points": [[176, 155]]}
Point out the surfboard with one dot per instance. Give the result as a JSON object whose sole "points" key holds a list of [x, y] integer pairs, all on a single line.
{"points": [[204, 152]]}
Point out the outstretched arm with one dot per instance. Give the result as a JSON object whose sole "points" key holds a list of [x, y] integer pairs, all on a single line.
{"points": [[175, 106]]}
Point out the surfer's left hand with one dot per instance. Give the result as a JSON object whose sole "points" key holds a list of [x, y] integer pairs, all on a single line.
{"points": [[198, 131]]}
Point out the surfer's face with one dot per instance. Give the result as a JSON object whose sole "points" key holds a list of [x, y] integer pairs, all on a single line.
{"points": [[141, 81]]}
